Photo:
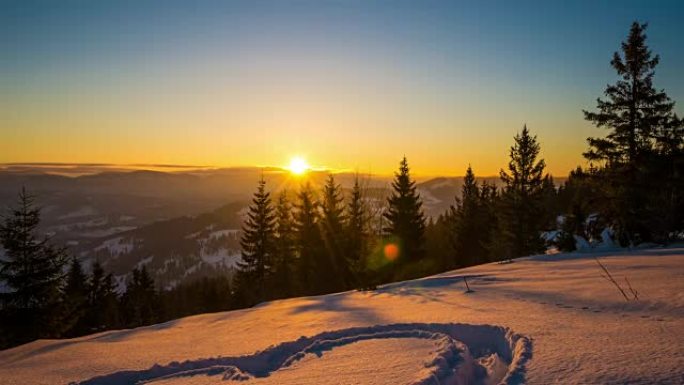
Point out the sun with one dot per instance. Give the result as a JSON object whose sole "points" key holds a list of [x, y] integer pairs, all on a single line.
{"points": [[298, 165]]}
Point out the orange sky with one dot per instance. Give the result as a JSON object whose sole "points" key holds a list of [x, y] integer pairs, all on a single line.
{"points": [[348, 86]]}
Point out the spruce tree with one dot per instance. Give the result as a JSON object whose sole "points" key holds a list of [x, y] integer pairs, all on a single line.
{"points": [[284, 280], [490, 201], [470, 231], [149, 297], [634, 110], [578, 197], [140, 303], [257, 248], [439, 242], [550, 207], [33, 272], [405, 215], [521, 216], [103, 312], [312, 266], [668, 204], [76, 299], [332, 230], [357, 233], [638, 117]]}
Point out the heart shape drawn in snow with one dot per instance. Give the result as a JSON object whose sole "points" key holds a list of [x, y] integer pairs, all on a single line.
{"points": [[462, 354]]}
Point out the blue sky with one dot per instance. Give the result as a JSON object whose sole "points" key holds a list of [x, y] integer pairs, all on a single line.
{"points": [[179, 82]]}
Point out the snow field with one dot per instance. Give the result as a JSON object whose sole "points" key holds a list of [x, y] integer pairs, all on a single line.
{"points": [[549, 319]]}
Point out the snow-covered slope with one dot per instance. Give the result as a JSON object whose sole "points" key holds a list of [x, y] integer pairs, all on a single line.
{"points": [[537, 320]]}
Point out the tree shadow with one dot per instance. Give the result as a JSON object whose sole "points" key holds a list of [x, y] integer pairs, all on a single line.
{"points": [[339, 303], [425, 288]]}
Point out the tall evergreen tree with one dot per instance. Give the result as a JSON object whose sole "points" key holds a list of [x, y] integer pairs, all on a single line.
{"points": [[470, 232], [439, 242], [258, 233], [638, 116], [550, 206], [668, 204], [578, 197], [405, 215], [332, 229], [521, 216], [140, 302], [103, 311], [208, 294], [284, 280], [76, 299], [33, 272], [312, 267], [490, 201], [357, 231], [634, 110]]}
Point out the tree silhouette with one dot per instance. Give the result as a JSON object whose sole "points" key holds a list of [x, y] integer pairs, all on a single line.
{"points": [[313, 264], [76, 298], [258, 233], [405, 215], [357, 232], [521, 216], [638, 117], [103, 309], [33, 271], [284, 280], [471, 230], [332, 230]]}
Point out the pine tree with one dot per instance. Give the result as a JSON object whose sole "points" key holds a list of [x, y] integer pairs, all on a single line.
{"points": [[140, 302], [578, 197], [638, 117], [405, 215], [312, 266], [357, 232], [668, 204], [439, 241], [103, 312], [521, 215], [208, 294], [149, 297], [470, 231], [550, 208], [258, 233], [332, 230], [33, 272], [76, 299], [634, 110], [490, 201], [283, 280]]}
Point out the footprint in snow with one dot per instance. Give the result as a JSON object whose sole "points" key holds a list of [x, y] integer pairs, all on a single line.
{"points": [[462, 353]]}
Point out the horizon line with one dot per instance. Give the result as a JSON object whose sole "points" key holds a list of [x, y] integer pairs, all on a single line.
{"points": [[188, 167]]}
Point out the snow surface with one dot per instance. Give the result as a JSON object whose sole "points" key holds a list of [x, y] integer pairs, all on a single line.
{"points": [[548, 319]]}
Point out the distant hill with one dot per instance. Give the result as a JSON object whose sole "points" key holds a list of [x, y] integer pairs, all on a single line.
{"points": [[440, 193], [173, 250], [169, 221]]}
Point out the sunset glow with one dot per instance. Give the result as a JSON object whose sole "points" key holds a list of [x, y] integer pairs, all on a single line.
{"points": [[298, 165], [240, 83]]}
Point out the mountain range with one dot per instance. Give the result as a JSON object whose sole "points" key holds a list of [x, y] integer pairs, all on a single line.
{"points": [[179, 224]]}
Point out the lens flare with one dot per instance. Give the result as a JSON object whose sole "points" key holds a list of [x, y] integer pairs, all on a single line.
{"points": [[391, 251]]}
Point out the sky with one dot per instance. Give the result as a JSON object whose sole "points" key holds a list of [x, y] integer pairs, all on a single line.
{"points": [[347, 85]]}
